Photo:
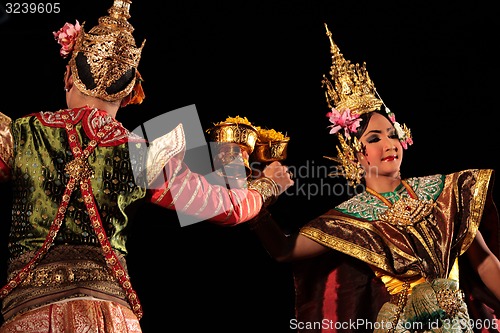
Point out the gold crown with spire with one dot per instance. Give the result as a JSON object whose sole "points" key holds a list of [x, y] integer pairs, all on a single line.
{"points": [[350, 93], [110, 52], [352, 87]]}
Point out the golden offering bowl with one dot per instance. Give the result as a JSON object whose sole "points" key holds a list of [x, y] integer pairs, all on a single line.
{"points": [[267, 152], [231, 153], [242, 134], [227, 134]]}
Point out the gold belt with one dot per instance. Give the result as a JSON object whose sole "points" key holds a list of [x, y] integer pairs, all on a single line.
{"points": [[57, 274], [66, 271]]}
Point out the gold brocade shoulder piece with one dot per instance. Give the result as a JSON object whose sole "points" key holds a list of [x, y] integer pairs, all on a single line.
{"points": [[477, 181], [6, 141], [363, 252], [5, 120]]}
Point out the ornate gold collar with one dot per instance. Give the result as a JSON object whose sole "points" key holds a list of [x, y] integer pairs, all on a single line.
{"points": [[407, 210]]}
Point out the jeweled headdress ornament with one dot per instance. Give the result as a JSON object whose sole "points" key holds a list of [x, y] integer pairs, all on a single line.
{"points": [[109, 50], [350, 93]]}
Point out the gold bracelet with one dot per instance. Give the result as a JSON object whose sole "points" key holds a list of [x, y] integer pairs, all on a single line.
{"points": [[268, 189]]}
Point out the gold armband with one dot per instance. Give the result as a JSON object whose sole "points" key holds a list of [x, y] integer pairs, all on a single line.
{"points": [[268, 189]]}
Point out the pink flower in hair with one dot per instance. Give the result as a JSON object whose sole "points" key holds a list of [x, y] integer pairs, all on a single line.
{"points": [[406, 142], [66, 37], [345, 120]]}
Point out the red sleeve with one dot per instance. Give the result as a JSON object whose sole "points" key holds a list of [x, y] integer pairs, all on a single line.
{"points": [[192, 194]]}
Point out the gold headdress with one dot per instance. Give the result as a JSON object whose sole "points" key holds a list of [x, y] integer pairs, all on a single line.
{"points": [[349, 94], [110, 52], [352, 87]]}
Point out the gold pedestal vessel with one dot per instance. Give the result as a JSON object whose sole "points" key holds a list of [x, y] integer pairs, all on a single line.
{"points": [[267, 152], [229, 134]]}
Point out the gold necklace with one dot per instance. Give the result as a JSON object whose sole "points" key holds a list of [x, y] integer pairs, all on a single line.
{"points": [[379, 196], [407, 210]]}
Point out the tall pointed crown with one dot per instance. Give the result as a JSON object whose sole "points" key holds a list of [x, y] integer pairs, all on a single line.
{"points": [[350, 86], [110, 51], [350, 93]]}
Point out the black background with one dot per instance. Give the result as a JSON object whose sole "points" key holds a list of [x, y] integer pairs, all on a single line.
{"points": [[435, 65]]}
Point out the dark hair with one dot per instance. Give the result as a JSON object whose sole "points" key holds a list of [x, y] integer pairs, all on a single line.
{"points": [[365, 119], [85, 75]]}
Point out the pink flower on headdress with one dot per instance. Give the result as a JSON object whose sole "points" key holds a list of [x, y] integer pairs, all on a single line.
{"points": [[406, 142], [66, 37], [345, 120]]}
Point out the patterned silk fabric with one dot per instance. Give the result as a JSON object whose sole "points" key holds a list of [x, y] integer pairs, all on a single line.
{"points": [[425, 249], [76, 316]]}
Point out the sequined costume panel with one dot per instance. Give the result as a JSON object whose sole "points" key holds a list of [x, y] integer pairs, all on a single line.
{"points": [[41, 153]]}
